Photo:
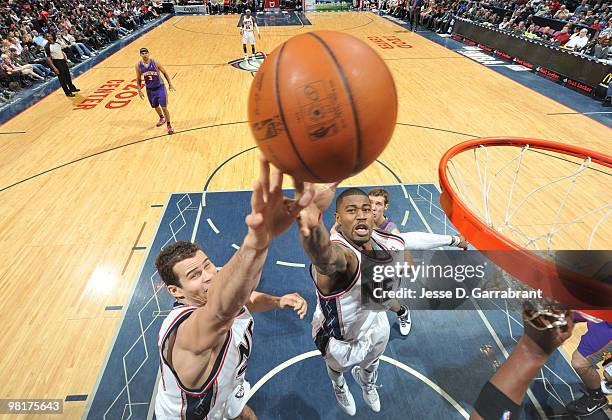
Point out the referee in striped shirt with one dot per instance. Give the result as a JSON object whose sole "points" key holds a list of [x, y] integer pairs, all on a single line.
{"points": [[58, 62]]}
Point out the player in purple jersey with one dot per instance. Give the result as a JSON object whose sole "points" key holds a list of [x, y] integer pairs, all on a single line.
{"points": [[595, 347], [150, 70]]}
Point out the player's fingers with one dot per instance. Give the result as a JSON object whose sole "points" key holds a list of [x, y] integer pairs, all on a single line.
{"points": [[257, 198], [301, 308], [254, 221], [264, 176], [276, 182], [305, 199], [299, 186]]}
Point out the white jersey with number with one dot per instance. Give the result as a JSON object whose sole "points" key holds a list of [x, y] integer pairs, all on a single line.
{"points": [[212, 400], [340, 318], [248, 28]]}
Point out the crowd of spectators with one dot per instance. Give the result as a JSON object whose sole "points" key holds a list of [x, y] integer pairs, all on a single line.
{"points": [[82, 27], [586, 26]]}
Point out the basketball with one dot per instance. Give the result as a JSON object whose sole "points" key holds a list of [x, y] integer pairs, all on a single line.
{"points": [[322, 106]]}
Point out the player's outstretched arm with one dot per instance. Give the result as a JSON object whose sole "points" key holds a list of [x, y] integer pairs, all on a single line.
{"points": [[328, 258], [139, 82], [506, 389], [262, 302], [163, 71], [425, 240], [271, 215]]}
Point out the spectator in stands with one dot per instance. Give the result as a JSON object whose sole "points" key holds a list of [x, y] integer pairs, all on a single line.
{"points": [[79, 47], [562, 36], [562, 13], [553, 6], [582, 8], [519, 29], [531, 32], [601, 49], [543, 10], [578, 41], [607, 31], [504, 24], [10, 68], [38, 39], [21, 61], [596, 25], [544, 33]]}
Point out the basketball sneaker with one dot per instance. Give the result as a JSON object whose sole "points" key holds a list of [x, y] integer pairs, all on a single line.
{"points": [[370, 389], [588, 403], [405, 321], [170, 129], [345, 398], [161, 121]]}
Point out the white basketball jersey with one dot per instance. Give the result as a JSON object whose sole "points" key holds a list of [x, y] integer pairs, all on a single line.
{"points": [[174, 400], [248, 24], [340, 314]]}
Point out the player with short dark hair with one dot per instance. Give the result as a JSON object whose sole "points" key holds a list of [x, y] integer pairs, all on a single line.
{"points": [[358, 341], [205, 341], [156, 90]]}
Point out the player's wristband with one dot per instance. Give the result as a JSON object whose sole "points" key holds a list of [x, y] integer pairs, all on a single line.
{"points": [[456, 240], [492, 404]]}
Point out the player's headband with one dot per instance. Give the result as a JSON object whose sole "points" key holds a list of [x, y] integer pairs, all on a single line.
{"points": [[247, 11], [143, 50]]}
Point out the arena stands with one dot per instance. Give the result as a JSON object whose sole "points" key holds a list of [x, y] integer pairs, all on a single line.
{"points": [[84, 26], [584, 27]]}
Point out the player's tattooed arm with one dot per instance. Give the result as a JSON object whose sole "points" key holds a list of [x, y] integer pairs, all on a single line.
{"points": [[332, 261], [163, 71]]}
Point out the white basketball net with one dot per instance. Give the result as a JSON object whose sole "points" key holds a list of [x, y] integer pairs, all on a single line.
{"points": [[541, 200]]}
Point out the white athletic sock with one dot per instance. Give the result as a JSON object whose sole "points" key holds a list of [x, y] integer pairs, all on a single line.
{"points": [[368, 373], [336, 377]]}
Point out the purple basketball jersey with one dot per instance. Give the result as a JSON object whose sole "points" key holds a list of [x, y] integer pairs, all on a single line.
{"points": [[150, 74]]}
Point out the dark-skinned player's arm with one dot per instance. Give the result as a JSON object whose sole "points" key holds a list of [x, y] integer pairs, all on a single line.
{"points": [[231, 288], [163, 71], [262, 302], [330, 260], [506, 389], [139, 82]]}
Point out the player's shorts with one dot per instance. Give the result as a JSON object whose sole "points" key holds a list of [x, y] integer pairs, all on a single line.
{"points": [[248, 37], [596, 342], [157, 96], [369, 346]]}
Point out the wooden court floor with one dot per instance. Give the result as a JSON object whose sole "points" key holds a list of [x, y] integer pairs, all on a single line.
{"points": [[67, 234]]}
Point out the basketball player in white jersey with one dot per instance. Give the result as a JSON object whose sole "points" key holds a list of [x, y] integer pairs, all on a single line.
{"points": [[205, 341], [379, 200], [248, 27], [347, 335]]}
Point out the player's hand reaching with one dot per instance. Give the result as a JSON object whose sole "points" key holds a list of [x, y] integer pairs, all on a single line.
{"points": [[463, 243], [296, 302], [271, 213], [140, 94], [171, 87], [547, 325], [311, 215]]}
